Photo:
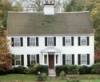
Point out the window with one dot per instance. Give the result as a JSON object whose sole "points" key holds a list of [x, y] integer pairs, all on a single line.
{"points": [[32, 59], [45, 59], [32, 41], [83, 41], [17, 41], [83, 59], [68, 41], [50, 41], [17, 59], [68, 59], [56, 59]]}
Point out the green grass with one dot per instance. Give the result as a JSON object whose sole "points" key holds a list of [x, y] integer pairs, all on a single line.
{"points": [[33, 78], [22, 77]]}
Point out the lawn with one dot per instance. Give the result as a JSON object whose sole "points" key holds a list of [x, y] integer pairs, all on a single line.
{"points": [[33, 78]]}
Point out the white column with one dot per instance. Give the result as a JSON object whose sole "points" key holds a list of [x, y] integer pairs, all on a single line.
{"points": [[25, 60]]}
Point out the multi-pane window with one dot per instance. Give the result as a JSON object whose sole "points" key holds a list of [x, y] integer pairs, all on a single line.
{"points": [[68, 41], [32, 41], [17, 59], [68, 59], [83, 59], [17, 41], [50, 41], [83, 41], [32, 59], [56, 59], [45, 59]]}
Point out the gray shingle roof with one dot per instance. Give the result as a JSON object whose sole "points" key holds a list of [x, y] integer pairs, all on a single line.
{"points": [[60, 23]]}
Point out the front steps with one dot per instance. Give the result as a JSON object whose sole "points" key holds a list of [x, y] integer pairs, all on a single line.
{"points": [[51, 72]]}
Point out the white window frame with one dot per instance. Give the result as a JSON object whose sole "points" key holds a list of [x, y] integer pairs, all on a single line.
{"points": [[17, 60], [68, 59], [33, 59], [32, 41], [45, 60], [50, 41], [57, 58], [83, 41], [68, 41], [83, 59], [17, 41]]}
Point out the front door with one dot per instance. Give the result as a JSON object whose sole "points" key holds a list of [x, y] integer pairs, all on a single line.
{"points": [[51, 61]]}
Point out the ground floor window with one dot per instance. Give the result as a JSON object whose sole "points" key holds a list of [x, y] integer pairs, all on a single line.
{"points": [[45, 59], [68, 59], [83, 59], [18, 60], [32, 59], [56, 59]]}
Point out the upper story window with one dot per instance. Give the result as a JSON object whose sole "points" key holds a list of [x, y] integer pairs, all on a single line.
{"points": [[32, 41], [83, 41], [17, 41], [50, 41], [68, 41]]}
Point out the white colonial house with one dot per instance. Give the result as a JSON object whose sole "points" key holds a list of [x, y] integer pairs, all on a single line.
{"points": [[51, 38]]}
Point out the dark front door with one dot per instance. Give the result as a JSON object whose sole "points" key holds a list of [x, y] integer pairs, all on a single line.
{"points": [[51, 61]]}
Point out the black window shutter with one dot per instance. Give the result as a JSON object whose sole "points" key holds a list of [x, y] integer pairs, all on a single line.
{"points": [[22, 60], [12, 42], [73, 59], [13, 60], [37, 56], [45, 41], [79, 41], [79, 59], [88, 59], [54, 41], [72, 40], [28, 60], [28, 41], [21, 40], [37, 41], [88, 41], [63, 41], [63, 59]]}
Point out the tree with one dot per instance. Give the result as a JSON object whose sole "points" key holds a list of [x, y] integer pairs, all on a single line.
{"points": [[88, 5], [17, 7], [5, 56], [75, 5]]}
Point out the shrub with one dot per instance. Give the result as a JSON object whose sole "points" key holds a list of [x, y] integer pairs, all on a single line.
{"points": [[96, 68], [19, 70], [2, 71], [73, 69], [62, 74], [85, 70], [68, 69], [34, 69], [42, 77]]}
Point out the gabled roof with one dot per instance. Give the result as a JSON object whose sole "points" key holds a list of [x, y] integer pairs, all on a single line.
{"points": [[37, 23]]}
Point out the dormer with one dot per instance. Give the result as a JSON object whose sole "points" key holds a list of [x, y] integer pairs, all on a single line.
{"points": [[49, 7]]}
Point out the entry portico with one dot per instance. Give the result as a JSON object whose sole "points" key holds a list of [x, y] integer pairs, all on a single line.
{"points": [[51, 56]]}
